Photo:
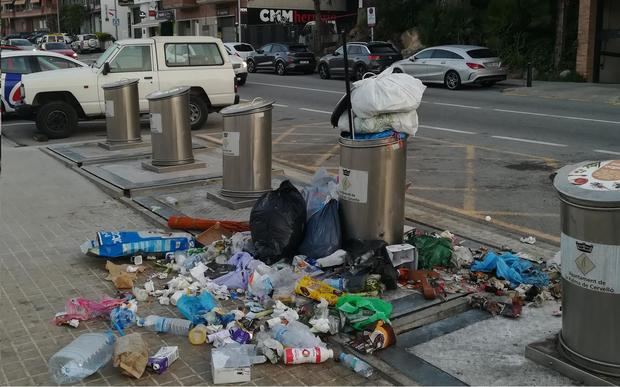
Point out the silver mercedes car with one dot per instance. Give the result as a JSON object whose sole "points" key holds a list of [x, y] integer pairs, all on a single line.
{"points": [[454, 66]]}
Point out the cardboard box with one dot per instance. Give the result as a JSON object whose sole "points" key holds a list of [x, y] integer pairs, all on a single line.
{"points": [[230, 365]]}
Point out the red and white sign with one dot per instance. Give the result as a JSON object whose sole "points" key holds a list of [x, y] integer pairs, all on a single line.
{"points": [[371, 15]]}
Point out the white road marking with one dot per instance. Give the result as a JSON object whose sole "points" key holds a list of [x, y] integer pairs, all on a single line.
{"points": [[315, 111], [297, 87], [456, 105], [606, 152], [557, 116], [529, 141], [447, 129]]}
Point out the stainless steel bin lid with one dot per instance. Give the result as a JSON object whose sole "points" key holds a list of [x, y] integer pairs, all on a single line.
{"points": [[590, 183], [254, 106], [120, 83], [163, 94]]}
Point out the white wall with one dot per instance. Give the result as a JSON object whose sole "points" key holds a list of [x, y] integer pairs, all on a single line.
{"points": [[107, 14]]}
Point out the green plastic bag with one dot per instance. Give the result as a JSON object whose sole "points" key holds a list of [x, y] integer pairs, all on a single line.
{"points": [[432, 251], [364, 311]]}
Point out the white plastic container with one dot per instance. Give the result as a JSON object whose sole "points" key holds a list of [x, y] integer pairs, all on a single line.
{"points": [[307, 355]]}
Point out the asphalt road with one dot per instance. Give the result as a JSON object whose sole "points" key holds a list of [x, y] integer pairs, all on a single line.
{"points": [[478, 152]]}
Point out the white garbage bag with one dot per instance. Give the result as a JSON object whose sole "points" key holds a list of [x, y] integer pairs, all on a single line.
{"points": [[386, 93], [400, 122]]}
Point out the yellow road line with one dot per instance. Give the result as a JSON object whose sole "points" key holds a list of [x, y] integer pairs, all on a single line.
{"points": [[469, 198], [327, 155], [510, 213], [283, 135]]}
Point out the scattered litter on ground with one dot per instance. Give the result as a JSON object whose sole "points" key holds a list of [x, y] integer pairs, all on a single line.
{"points": [[530, 240]]}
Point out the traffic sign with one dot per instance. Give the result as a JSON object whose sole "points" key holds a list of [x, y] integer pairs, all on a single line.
{"points": [[116, 22], [371, 16]]}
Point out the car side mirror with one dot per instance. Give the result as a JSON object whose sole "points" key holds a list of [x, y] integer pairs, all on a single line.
{"points": [[413, 59], [336, 53], [106, 68], [260, 51]]}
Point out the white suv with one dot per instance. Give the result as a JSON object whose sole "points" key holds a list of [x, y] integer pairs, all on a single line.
{"points": [[58, 99]]}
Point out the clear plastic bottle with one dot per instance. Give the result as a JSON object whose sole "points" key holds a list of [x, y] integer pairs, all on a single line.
{"points": [[177, 326], [360, 367], [81, 358], [296, 335]]}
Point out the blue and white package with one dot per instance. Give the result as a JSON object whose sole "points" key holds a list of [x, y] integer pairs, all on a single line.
{"points": [[115, 244]]}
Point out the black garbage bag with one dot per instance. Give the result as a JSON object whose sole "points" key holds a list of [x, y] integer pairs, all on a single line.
{"points": [[323, 235], [368, 257], [277, 223]]}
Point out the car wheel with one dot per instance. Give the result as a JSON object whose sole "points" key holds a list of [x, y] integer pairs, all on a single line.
{"points": [[280, 69], [251, 66], [324, 71], [360, 70], [397, 70], [488, 83], [57, 119], [198, 111], [452, 80]]}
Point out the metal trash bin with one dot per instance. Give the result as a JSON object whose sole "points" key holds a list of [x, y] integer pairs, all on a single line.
{"points": [[590, 248], [122, 113], [372, 188], [171, 136], [246, 149]]}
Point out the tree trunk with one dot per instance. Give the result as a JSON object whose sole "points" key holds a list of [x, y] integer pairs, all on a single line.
{"points": [[560, 32], [318, 30]]}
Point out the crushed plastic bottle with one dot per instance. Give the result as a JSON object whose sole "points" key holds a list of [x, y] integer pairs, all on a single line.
{"points": [[360, 367], [296, 335], [177, 326], [307, 355], [81, 358]]}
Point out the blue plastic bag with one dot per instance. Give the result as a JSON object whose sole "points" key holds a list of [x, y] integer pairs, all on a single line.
{"points": [[115, 244], [194, 308], [511, 268], [323, 234]]}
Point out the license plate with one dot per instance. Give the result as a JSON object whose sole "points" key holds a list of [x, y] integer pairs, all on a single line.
{"points": [[304, 61], [493, 64]]}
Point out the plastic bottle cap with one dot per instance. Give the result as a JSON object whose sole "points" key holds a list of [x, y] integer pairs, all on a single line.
{"points": [[156, 367]]}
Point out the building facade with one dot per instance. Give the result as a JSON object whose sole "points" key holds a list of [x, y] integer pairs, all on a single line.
{"points": [[598, 41], [27, 15]]}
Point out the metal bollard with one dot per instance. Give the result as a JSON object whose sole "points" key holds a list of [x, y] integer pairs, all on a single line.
{"points": [[246, 149], [122, 115], [372, 188], [590, 249], [529, 75]]}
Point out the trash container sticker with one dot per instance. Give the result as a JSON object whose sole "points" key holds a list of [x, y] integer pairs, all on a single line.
{"points": [[592, 266], [109, 108], [597, 176], [230, 144], [156, 125], [353, 185]]}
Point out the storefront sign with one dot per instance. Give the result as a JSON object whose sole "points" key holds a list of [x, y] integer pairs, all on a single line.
{"points": [[284, 16], [166, 14]]}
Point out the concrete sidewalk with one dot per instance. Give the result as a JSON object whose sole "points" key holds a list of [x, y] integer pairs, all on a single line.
{"points": [[569, 91], [46, 212]]}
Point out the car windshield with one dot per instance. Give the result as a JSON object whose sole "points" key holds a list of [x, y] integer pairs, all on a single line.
{"points": [[298, 48], [104, 57], [243, 47], [381, 49], [481, 53], [56, 46], [20, 42]]}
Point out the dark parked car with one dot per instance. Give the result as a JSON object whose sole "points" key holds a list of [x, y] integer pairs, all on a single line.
{"points": [[282, 58], [363, 57]]}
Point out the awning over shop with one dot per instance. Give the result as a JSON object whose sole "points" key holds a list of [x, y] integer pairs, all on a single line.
{"points": [[147, 24], [19, 2]]}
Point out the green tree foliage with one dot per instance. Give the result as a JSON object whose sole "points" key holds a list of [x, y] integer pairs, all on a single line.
{"points": [[71, 17], [519, 30]]}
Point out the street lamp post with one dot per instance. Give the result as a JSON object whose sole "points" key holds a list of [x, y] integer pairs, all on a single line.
{"points": [[58, 15], [239, 21], [116, 20]]}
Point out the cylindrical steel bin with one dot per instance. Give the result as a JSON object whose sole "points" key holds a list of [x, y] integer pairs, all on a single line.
{"points": [[372, 188], [171, 136], [246, 149], [122, 112], [590, 214]]}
